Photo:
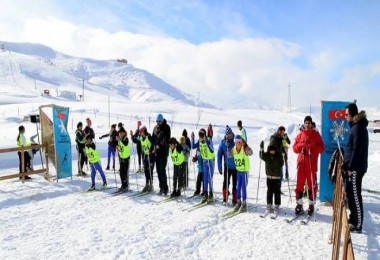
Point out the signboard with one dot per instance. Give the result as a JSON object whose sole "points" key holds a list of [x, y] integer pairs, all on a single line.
{"points": [[62, 142], [335, 132]]}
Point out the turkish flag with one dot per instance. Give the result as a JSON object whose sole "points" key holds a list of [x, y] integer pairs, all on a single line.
{"points": [[61, 116], [337, 114]]}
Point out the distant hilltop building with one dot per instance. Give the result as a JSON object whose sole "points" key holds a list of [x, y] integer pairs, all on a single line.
{"points": [[122, 60]]}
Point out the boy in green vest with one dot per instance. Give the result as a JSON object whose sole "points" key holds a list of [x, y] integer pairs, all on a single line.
{"points": [[179, 164], [124, 151], [94, 159]]}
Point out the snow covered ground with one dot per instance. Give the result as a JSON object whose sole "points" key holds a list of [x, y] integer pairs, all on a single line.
{"points": [[49, 220], [42, 220]]}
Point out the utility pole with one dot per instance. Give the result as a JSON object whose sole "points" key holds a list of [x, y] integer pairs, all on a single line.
{"points": [[83, 89], [289, 99]]}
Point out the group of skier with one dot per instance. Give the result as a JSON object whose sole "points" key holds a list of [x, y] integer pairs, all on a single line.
{"points": [[232, 161]]}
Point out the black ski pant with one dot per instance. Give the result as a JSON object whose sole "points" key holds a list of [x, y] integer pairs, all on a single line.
{"points": [[81, 158], [161, 162], [274, 188], [139, 152], [124, 168], [178, 176], [148, 168], [27, 159], [199, 182], [354, 199], [226, 181]]}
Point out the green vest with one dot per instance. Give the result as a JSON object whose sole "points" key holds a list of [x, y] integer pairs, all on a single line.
{"points": [[205, 151], [19, 139], [177, 158], [92, 155], [241, 160], [124, 151], [146, 144]]}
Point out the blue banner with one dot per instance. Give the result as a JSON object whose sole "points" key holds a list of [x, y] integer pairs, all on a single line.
{"points": [[335, 131], [62, 142]]}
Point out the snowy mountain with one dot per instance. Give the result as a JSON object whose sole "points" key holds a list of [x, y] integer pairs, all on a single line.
{"points": [[29, 69]]}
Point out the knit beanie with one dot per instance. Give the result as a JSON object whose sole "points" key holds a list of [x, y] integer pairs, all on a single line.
{"points": [[228, 130], [308, 118], [237, 138]]}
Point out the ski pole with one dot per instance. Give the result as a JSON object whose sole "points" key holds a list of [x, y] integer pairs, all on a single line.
{"points": [[258, 185], [312, 187], [134, 165], [290, 195], [169, 178]]}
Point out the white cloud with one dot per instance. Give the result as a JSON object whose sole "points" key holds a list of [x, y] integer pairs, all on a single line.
{"points": [[226, 71]]}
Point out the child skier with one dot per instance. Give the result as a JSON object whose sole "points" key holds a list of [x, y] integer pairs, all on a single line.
{"points": [[186, 153], [124, 152], [112, 143], [225, 152], [241, 151], [198, 158], [94, 159], [147, 158], [207, 151], [178, 159], [273, 168]]}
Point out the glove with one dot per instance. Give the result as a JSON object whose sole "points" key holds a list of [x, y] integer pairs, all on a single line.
{"points": [[100, 137], [220, 172], [262, 145]]}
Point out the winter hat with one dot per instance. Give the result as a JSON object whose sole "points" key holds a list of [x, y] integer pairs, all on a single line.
{"points": [[160, 118], [271, 147], [79, 124], [120, 125], [202, 133], [21, 128], [308, 118], [143, 129], [184, 133], [237, 138], [182, 140], [352, 109], [228, 130]]}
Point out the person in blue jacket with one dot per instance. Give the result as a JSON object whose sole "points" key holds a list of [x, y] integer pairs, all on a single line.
{"points": [[207, 151], [226, 159]]}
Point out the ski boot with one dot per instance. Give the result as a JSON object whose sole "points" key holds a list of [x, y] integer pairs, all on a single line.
{"points": [[107, 168], [299, 209], [269, 209], [210, 198], [104, 186], [91, 188], [178, 193], [204, 198], [237, 206], [243, 207], [173, 194], [310, 211], [146, 188], [276, 210]]}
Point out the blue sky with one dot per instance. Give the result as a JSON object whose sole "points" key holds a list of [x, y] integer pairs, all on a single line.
{"points": [[317, 45]]}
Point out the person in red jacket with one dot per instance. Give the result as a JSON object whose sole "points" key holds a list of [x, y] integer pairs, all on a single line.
{"points": [[210, 132], [308, 145]]}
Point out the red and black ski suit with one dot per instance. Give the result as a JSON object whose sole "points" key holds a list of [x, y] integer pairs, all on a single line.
{"points": [[308, 145]]}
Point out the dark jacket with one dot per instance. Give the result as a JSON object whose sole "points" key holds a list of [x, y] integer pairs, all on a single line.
{"points": [[273, 163], [187, 139], [276, 140], [80, 139], [88, 131], [161, 136], [356, 151], [136, 139], [113, 138]]}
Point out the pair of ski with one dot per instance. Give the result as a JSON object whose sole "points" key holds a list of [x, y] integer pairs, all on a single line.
{"points": [[234, 213], [271, 214], [199, 205], [304, 221], [101, 189]]}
